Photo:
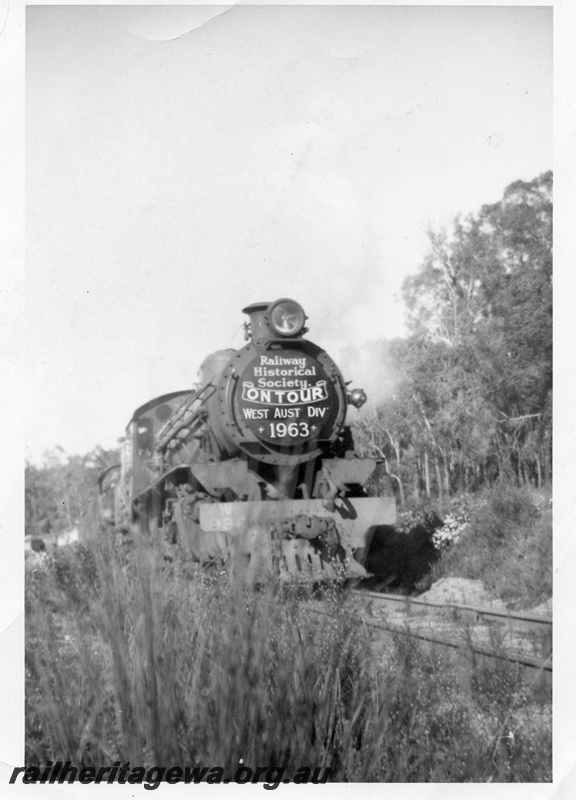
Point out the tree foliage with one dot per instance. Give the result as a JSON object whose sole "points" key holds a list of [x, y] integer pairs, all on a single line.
{"points": [[474, 392], [472, 398], [62, 490]]}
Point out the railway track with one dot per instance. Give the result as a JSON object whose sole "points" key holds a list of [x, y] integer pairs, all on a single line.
{"points": [[522, 638], [515, 620]]}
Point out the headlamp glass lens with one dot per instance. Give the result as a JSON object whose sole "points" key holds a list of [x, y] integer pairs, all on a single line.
{"points": [[287, 318]]}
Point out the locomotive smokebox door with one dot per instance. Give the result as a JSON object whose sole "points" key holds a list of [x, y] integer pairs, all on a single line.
{"points": [[281, 398]]}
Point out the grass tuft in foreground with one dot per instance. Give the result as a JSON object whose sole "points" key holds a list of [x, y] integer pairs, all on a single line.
{"points": [[133, 658]]}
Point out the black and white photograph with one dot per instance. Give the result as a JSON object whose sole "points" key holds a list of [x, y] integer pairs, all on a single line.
{"points": [[287, 403]]}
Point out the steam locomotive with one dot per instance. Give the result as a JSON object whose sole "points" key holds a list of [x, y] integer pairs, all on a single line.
{"points": [[256, 464]]}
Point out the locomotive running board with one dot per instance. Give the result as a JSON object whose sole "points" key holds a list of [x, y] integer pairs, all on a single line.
{"points": [[247, 526]]}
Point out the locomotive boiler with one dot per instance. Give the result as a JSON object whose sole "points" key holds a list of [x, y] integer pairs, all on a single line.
{"points": [[256, 464]]}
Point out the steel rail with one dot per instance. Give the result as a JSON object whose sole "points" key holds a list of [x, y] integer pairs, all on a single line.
{"points": [[461, 612], [541, 666]]}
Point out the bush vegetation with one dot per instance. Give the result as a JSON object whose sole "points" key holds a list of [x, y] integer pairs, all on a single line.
{"points": [[136, 658], [506, 544]]}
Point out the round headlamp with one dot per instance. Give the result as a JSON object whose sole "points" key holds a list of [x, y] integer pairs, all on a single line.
{"points": [[357, 397], [287, 318]]}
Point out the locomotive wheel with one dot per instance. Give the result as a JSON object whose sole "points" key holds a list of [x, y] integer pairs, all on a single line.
{"points": [[172, 534], [151, 514]]}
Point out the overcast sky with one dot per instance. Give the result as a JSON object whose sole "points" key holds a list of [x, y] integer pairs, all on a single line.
{"points": [[183, 162]]}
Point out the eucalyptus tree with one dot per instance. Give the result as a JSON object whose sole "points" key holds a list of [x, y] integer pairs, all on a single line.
{"points": [[484, 297]]}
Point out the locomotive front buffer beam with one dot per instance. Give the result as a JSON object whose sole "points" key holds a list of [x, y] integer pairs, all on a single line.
{"points": [[299, 540]]}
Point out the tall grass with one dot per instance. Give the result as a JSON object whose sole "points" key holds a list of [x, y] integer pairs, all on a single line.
{"points": [[136, 658]]}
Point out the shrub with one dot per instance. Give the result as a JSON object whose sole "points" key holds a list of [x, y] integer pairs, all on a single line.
{"points": [[507, 545]]}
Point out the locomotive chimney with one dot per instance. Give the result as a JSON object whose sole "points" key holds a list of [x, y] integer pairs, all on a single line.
{"points": [[260, 330], [282, 319]]}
